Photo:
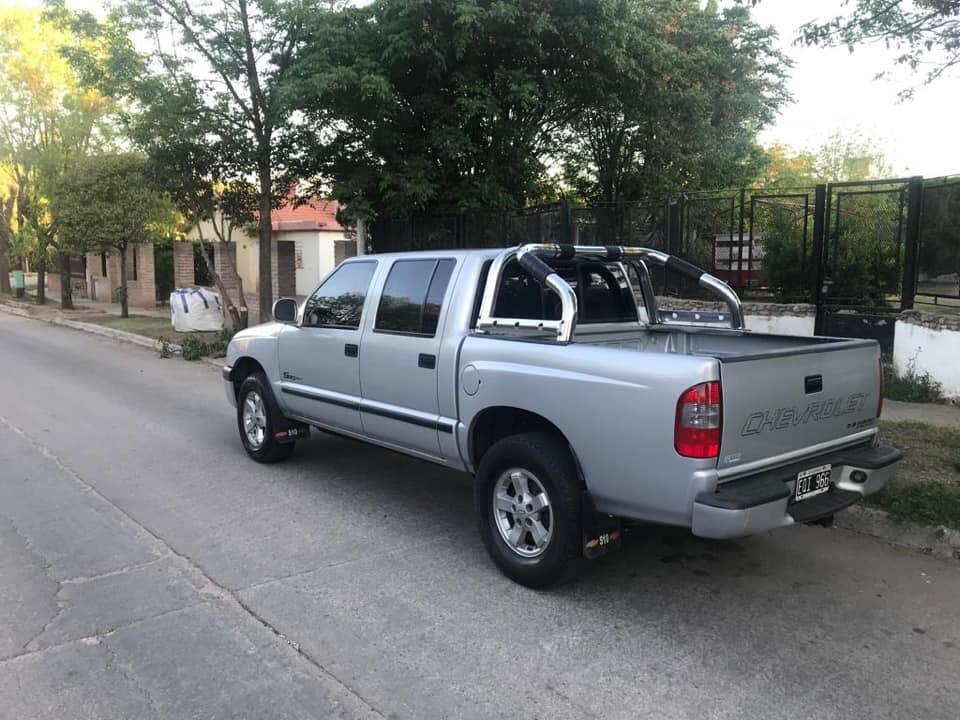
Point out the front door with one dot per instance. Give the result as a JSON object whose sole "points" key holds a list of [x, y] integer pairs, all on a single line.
{"points": [[319, 358], [399, 362]]}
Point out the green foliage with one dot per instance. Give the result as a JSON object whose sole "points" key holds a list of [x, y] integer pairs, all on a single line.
{"points": [[105, 202], [675, 102], [51, 118], [929, 503], [862, 257], [925, 33], [911, 386], [194, 348]]}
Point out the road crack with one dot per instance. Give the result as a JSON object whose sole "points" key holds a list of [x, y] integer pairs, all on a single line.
{"points": [[208, 586]]}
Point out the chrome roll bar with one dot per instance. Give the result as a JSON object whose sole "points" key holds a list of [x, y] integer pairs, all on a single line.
{"points": [[531, 257]]}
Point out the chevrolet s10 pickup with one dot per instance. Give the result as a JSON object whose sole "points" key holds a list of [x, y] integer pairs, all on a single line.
{"points": [[550, 374]]}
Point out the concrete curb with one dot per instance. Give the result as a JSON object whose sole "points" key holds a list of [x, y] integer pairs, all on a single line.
{"points": [[940, 542], [118, 335], [93, 329]]}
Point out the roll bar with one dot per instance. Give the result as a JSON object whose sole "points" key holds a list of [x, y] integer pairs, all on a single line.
{"points": [[531, 257]]}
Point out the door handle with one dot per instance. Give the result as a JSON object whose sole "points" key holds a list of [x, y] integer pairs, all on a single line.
{"points": [[351, 350], [427, 361]]}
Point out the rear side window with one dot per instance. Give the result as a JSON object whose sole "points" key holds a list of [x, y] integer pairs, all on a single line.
{"points": [[339, 301], [413, 295], [603, 294]]}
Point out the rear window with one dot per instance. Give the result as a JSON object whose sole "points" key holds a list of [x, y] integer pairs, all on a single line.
{"points": [[413, 295], [603, 294]]}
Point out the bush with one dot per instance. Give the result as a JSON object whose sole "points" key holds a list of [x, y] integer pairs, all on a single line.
{"points": [[912, 386], [195, 348]]}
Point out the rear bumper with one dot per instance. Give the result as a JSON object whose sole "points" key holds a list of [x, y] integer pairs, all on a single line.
{"points": [[762, 502]]}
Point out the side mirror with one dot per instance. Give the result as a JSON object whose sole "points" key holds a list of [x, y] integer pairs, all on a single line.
{"points": [[285, 311]]}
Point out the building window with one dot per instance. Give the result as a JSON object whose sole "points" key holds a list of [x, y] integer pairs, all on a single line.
{"points": [[103, 264], [136, 269]]}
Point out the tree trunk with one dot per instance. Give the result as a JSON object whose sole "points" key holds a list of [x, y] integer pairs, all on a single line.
{"points": [[231, 314], [41, 283], [4, 267], [124, 306], [265, 235], [5, 243], [66, 282]]}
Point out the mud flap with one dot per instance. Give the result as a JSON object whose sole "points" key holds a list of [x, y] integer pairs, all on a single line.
{"points": [[601, 533], [291, 432]]}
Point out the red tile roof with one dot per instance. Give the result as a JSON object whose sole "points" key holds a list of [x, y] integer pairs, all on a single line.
{"points": [[312, 215]]}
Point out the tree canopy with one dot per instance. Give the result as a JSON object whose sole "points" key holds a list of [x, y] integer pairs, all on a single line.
{"points": [[441, 106], [107, 202], [212, 101]]}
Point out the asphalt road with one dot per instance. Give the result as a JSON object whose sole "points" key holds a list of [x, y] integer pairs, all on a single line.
{"points": [[148, 569]]}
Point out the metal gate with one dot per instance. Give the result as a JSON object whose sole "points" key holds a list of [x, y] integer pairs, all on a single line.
{"points": [[863, 276]]}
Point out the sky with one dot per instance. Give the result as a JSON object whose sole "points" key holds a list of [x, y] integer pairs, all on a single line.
{"points": [[834, 90]]}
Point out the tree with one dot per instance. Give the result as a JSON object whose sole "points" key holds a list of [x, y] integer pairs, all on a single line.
{"points": [[202, 184], [684, 92], [924, 32], [223, 65], [106, 203], [863, 268], [48, 119], [441, 106]]}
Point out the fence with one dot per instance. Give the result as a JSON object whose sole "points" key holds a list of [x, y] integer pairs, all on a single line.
{"points": [[868, 247]]}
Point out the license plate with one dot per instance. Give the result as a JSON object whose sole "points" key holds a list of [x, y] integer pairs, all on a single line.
{"points": [[814, 481]]}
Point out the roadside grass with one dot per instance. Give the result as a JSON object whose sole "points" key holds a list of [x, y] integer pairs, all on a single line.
{"points": [[927, 490], [195, 345]]}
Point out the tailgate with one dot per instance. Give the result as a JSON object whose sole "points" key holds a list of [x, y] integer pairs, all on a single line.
{"points": [[777, 406]]}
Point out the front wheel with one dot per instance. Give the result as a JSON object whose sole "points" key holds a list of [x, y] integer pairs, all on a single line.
{"points": [[527, 495], [257, 416]]}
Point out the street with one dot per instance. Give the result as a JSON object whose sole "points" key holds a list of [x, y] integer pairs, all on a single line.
{"points": [[149, 569]]}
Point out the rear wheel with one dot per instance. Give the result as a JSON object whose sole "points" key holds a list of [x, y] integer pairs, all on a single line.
{"points": [[527, 495], [257, 415]]}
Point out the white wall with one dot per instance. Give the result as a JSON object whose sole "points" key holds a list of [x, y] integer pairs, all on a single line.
{"points": [[933, 350]]}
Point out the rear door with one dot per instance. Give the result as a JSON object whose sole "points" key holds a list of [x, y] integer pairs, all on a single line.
{"points": [[399, 362], [783, 405], [319, 358]]}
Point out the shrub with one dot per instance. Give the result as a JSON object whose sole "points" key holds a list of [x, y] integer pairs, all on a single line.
{"points": [[912, 386]]}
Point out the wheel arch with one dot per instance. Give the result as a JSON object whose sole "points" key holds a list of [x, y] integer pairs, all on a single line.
{"points": [[243, 368], [499, 421]]}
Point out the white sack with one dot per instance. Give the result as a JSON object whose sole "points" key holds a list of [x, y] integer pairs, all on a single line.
{"points": [[195, 309]]}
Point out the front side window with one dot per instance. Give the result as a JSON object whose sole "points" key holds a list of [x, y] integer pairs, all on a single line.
{"points": [[339, 301], [413, 295]]}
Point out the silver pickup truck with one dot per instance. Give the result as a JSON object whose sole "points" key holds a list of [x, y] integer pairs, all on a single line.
{"points": [[549, 373]]}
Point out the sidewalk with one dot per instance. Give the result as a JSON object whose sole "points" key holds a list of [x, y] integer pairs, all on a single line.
{"points": [[940, 415]]}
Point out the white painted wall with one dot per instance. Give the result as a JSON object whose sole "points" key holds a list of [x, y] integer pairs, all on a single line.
{"points": [[933, 351]]}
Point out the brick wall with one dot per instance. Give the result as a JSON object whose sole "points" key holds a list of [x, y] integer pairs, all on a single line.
{"points": [[225, 263], [183, 273]]}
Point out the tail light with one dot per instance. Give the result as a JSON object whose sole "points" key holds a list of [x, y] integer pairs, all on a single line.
{"points": [[880, 399], [696, 432]]}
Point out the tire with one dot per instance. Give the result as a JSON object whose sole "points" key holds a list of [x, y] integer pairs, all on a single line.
{"points": [[260, 444], [826, 521], [543, 462]]}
